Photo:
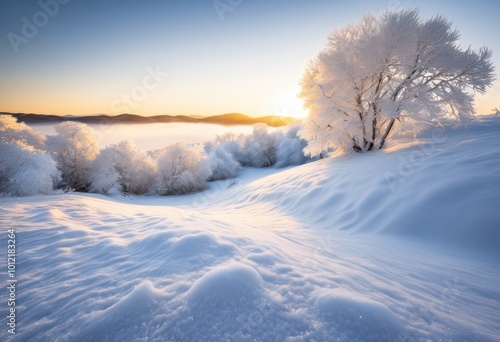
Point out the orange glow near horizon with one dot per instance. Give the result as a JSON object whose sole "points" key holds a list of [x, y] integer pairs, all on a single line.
{"points": [[287, 104], [64, 102], [174, 58]]}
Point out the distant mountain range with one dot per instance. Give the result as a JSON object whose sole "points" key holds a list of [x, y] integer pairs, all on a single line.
{"points": [[224, 119]]}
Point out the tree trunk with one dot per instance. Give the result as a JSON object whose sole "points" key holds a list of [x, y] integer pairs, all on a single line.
{"points": [[374, 128], [387, 131]]}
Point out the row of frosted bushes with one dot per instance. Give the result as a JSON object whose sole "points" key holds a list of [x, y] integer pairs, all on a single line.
{"points": [[32, 163]]}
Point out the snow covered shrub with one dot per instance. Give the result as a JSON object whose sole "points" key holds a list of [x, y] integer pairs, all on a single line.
{"points": [[12, 131], [181, 170], [122, 168], [223, 153], [75, 147], [259, 148], [386, 69], [103, 177], [232, 143], [223, 165], [25, 171], [290, 147]]}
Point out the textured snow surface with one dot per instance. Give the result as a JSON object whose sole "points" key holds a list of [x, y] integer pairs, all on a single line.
{"points": [[397, 245]]}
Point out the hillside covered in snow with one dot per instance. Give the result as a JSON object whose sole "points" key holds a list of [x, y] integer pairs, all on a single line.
{"points": [[396, 245]]}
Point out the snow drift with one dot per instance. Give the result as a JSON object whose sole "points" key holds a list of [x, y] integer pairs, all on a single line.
{"points": [[443, 187]]}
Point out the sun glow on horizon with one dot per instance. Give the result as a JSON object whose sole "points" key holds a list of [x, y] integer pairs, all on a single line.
{"points": [[289, 104]]}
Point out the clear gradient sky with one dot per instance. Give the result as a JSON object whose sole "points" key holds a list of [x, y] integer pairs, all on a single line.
{"points": [[185, 57]]}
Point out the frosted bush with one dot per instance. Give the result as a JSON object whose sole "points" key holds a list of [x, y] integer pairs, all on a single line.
{"points": [[122, 169], [231, 143], [289, 148], [263, 148], [25, 171], [12, 131], [181, 170], [223, 165], [259, 148], [75, 147], [104, 179]]}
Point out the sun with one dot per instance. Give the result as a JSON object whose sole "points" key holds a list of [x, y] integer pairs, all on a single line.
{"points": [[289, 104], [285, 111]]}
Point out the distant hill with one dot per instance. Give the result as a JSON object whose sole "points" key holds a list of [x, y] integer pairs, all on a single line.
{"points": [[224, 119], [241, 119]]}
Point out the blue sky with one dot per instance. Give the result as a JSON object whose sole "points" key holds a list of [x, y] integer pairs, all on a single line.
{"points": [[188, 57]]}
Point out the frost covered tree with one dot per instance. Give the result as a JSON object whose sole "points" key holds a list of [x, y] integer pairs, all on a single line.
{"points": [[74, 147], [122, 169], [12, 131], [384, 70], [25, 171], [181, 169]]}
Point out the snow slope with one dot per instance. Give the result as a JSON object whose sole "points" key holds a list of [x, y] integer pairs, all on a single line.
{"points": [[397, 245], [444, 187]]}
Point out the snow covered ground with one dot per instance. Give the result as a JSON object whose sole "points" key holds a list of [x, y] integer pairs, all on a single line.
{"points": [[396, 245]]}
